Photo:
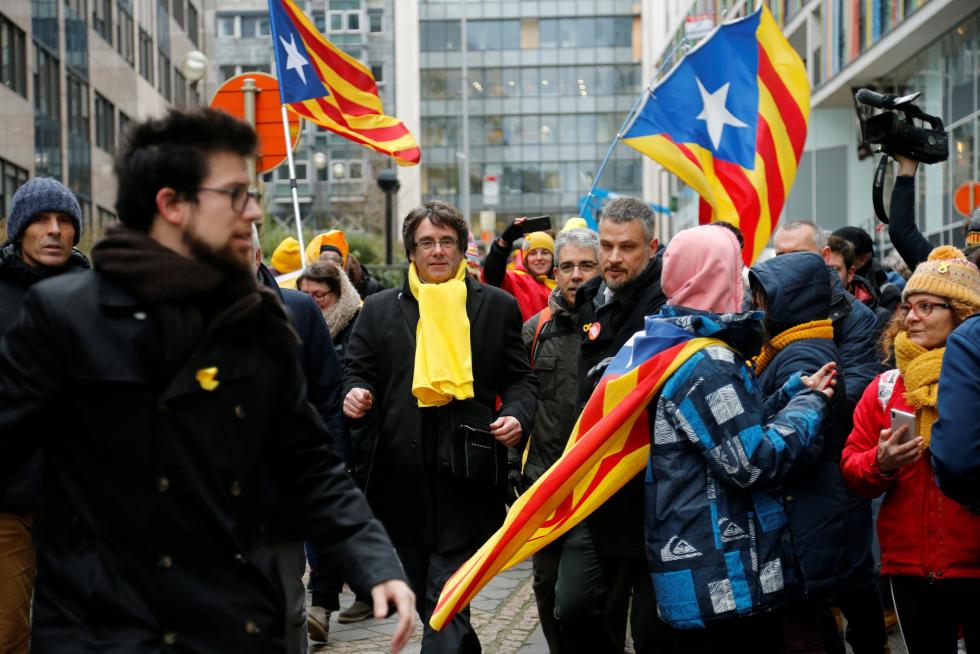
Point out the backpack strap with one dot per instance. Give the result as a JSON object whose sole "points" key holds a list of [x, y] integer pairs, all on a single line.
{"points": [[886, 384], [543, 319]]}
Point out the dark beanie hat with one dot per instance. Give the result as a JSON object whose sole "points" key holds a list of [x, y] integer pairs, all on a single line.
{"points": [[39, 195], [860, 239]]}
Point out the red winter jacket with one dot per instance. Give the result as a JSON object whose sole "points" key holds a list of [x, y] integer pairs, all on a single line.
{"points": [[923, 533]]}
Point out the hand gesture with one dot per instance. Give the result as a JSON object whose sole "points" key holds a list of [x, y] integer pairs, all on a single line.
{"points": [[397, 592], [893, 453], [357, 403], [823, 380]]}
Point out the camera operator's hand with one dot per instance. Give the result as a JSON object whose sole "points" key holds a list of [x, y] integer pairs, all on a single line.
{"points": [[513, 232], [906, 166]]}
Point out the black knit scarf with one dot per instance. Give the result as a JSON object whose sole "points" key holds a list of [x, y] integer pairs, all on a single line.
{"points": [[193, 300]]}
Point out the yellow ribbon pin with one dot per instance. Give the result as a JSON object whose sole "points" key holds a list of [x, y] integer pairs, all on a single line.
{"points": [[206, 378]]}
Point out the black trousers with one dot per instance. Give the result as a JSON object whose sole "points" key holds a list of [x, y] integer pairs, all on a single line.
{"points": [[543, 582], [592, 597], [931, 613], [428, 572], [756, 634]]}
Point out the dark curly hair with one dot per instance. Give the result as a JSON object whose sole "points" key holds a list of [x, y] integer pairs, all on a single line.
{"points": [[172, 152], [439, 213]]}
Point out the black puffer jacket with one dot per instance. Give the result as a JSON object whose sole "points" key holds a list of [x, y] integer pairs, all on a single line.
{"points": [[20, 481], [797, 291]]}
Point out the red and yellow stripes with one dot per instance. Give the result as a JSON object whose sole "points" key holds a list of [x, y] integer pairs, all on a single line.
{"points": [[751, 198], [609, 445], [353, 108]]}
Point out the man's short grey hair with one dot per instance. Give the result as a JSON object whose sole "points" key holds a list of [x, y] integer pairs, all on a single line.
{"points": [[256, 245], [819, 236], [579, 237], [626, 210]]}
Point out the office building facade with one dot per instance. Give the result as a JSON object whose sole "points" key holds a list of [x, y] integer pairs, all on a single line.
{"points": [[74, 74]]}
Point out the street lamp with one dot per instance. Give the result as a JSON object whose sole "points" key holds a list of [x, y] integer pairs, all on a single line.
{"points": [[194, 66], [320, 162], [389, 184]]}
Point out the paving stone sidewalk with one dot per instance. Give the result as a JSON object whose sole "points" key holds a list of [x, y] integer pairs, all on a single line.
{"points": [[504, 615]]}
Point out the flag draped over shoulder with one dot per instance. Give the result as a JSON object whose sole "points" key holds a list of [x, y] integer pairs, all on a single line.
{"points": [[322, 83], [730, 119], [608, 446]]}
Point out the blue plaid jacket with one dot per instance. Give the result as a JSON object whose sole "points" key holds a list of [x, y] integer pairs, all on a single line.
{"points": [[716, 534]]}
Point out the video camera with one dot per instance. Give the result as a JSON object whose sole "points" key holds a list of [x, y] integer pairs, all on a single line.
{"points": [[899, 135]]}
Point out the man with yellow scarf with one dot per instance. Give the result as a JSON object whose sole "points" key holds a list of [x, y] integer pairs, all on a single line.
{"points": [[930, 544], [426, 365]]}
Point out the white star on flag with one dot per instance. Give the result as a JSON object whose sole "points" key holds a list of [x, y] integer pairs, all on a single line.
{"points": [[294, 60], [715, 113]]}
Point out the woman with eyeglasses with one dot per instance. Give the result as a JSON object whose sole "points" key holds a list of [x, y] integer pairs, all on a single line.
{"points": [[930, 545]]}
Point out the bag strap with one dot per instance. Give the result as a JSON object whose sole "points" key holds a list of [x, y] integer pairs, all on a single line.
{"points": [[543, 319], [886, 385]]}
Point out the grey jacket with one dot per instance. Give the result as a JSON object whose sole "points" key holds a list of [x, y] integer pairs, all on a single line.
{"points": [[555, 361]]}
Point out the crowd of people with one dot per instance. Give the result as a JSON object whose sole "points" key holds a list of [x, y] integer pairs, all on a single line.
{"points": [[182, 436]]}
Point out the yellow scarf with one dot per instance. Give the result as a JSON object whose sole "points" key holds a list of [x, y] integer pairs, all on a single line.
{"points": [[443, 358], [920, 373], [813, 329]]}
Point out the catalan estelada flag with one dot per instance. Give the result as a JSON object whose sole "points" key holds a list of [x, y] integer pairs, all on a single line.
{"points": [[609, 445], [730, 120], [322, 83]]}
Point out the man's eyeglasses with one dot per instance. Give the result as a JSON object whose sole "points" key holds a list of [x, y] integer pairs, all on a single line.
{"points": [[585, 266], [239, 196], [428, 244], [922, 308]]}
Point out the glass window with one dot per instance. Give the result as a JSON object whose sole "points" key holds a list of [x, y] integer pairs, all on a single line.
{"points": [[377, 72], [102, 18], [375, 22], [13, 57], [11, 178], [105, 124], [439, 179], [192, 23], [254, 26], [320, 20], [336, 21], [440, 82], [177, 9], [355, 170], [124, 34], [227, 72], [440, 35], [548, 31], [180, 89], [831, 175], [146, 56], [354, 21], [163, 73], [549, 81], [226, 25], [78, 111]]}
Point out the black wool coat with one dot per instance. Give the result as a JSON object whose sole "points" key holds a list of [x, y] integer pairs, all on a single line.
{"points": [[418, 504], [152, 538]]}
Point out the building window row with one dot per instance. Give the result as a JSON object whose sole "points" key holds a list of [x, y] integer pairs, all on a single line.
{"points": [[621, 175], [228, 71], [528, 33], [564, 129], [184, 14], [532, 81], [246, 26], [105, 124], [124, 32], [13, 56]]}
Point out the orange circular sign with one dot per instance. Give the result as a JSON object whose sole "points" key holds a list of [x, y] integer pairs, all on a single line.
{"points": [[268, 116], [967, 197]]}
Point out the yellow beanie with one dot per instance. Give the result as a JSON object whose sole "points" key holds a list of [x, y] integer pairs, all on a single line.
{"points": [[539, 240], [948, 274], [575, 223], [285, 258], [334, 239]]}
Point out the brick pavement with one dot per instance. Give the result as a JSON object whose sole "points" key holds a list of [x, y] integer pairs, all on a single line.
{"points": [[504, 615]]}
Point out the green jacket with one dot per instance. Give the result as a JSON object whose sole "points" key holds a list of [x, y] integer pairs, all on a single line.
{"points": [[556, 364]]}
